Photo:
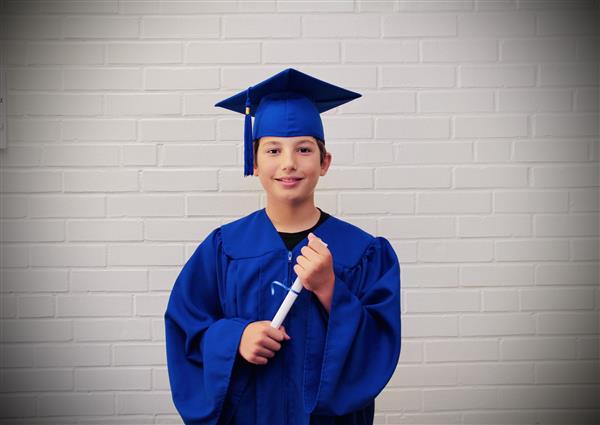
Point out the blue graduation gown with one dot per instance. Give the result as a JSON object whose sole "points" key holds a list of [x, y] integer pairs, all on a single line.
{"points": [[335, 364]]}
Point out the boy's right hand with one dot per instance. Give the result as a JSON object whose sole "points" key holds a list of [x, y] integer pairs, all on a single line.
{"points": [[260, 342]]}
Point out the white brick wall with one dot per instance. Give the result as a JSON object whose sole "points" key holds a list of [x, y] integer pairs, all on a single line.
{"points": [[475, 146]]}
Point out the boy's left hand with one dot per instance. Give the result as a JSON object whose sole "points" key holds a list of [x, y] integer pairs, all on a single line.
{"points": [[315, 267]]}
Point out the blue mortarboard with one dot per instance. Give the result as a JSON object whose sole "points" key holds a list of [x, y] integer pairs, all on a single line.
{"points": [[287, 104]]}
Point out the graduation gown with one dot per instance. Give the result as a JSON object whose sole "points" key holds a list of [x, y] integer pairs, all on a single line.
{"points": [[335, 364]]}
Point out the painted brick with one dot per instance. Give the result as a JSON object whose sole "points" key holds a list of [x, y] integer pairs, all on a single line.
{"points": [[180, 78], [535, 100], [25, 281], [36, 306], [433, 153], [495, 226], [419, 227], [141, 104], [54, 104], [64, 53], [340, 25], [261, 26], [531, 250], [456, 101], [558, 176], [68, 255], [497, 76], [80, 156], [497, 324], [300, 51], [412, 128], [108, 280], [145, 206], [106, 330], [33, 130], [380, 51], [433, 202], [491, 176], [567, 273], [70, 404], [101, 181], [373, 203], [138, 355], [94, 305], [176, 130], [412, 177], [551, 151], [103, 79], [178, 230], [571, 125], [178, 181], [467, 50], [453, 251], [497, 24], [541, 348], [98, 130], [418, 76], [137, 254], [142, 53], [537, 50], [222, 53], [72, 355], [182, 27], [429, 276], [120, 379], [34, 79], [419, 25], [100, 27], [104, 230]]}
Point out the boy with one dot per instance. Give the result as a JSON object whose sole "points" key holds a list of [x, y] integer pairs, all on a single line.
{"points": [[340, 342]]}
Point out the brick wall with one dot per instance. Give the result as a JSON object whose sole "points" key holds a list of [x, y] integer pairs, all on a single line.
{"points": [[474, 150]]}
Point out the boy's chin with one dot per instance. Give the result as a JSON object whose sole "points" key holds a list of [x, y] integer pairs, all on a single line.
{"points": [[290, 198]]}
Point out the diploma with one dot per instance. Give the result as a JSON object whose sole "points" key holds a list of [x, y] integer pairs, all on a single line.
{"points": [[287, 303]]}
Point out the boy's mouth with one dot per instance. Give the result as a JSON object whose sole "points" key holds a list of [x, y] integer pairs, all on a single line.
{"points": [[289, 179]]}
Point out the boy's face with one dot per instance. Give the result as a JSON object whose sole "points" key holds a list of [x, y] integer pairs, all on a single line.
{"points": [[289, 167]]}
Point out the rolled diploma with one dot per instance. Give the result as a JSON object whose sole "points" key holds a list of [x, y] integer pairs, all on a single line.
{"points": [[287, 303]]}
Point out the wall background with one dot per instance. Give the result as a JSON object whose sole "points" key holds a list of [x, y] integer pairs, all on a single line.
{"points": [[474, 150]]}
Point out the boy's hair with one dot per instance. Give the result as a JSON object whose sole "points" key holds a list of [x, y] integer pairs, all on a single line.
{"points": [[320, 144]]}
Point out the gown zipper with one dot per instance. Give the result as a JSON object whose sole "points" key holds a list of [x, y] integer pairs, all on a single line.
{"points": [[290, 269], [289, 278]]}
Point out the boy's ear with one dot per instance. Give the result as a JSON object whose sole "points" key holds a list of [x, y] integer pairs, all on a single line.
{"points": [[326, 163]]}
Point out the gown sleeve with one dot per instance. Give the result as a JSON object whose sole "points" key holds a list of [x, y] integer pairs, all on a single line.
{"points": [[201, 343], [352, 353]]}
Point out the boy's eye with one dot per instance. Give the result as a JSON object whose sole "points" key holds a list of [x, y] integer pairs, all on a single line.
{"points": [[304, 150]]}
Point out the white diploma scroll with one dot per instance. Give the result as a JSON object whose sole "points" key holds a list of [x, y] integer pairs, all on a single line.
{"points": [[287, 303]]}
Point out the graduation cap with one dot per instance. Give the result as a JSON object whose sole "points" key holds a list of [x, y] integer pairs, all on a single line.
{"points": [[287, 104]]}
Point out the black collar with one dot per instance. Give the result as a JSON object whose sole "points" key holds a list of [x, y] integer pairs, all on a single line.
{"points": [[255, 235]]}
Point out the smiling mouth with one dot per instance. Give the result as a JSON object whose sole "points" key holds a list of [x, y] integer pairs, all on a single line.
{"points": [[289, 179]]}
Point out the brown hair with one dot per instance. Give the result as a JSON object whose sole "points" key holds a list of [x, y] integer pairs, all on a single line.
{"points": [[320, 144]]}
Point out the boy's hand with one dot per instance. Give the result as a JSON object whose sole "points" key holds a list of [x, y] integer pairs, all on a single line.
{"points": [[315, 268], [260, 342]]}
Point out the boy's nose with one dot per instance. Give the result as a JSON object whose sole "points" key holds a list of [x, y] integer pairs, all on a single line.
{"points": [[288, 161]]}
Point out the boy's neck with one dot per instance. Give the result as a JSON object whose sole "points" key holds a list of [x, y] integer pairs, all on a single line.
{"points": [[289, 218]]}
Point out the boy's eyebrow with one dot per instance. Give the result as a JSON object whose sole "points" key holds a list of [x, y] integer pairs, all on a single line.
{"points": [[277, 142]]}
